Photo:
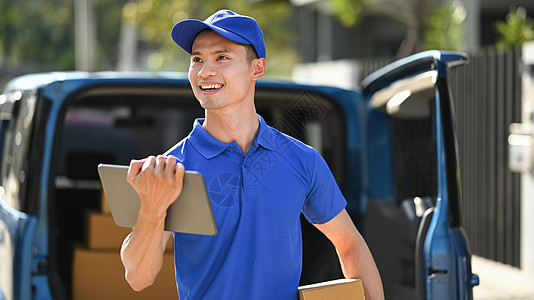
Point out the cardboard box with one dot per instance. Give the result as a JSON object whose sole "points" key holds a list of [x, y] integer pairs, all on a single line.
{"points": [[104, 234], [340, 289], [100, 275]]}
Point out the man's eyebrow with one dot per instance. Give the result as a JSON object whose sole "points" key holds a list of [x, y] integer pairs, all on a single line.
{"points": [[223, 50], [218, 51]]}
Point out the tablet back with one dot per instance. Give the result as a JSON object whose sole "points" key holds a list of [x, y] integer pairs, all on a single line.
{"points": [[190, 213]]}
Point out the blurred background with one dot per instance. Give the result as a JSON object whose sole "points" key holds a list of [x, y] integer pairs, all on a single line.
{"points": [[339, 42], [96, 35]]}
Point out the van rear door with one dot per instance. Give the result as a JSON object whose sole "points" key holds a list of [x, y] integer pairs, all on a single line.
{"points": [[19, 151], [414, 222]]}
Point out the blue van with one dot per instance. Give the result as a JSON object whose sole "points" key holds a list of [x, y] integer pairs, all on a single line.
{"points": [[391, 147]]}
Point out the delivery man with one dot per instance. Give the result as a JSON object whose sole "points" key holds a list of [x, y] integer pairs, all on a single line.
{"points": [[257, 253]]}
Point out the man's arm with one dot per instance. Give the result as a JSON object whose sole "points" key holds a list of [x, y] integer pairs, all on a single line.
{"points": [[354, 255], [143, 257], [158, 181]]}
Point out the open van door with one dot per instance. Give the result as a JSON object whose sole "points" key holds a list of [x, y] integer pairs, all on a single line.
{"points": [[18, 192], [414, 219]]}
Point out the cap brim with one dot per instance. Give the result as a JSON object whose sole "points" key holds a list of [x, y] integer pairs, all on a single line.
{"points": [[185, 32]]}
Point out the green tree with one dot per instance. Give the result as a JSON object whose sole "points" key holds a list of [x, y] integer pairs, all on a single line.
{"points": [[349, 13], [155, 18], [515, 31], [412, 14], [36, 32], [40, 33], [108, 17], [444, 28]]}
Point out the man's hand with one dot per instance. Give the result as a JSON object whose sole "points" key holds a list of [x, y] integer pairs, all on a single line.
{"points": [[158, 181]]}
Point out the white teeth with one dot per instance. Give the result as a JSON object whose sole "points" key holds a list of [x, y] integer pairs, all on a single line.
{"points": [[211, 86]]}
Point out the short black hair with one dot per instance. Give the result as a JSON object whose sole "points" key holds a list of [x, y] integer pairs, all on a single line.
{"points": [[251, 52]]}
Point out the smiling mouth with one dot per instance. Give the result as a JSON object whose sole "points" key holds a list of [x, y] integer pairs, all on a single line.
{"points": [[211, 87]]}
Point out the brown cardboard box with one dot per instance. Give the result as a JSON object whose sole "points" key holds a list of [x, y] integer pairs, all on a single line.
{"points": [[340, 289], [100, 275], [104, 234]]}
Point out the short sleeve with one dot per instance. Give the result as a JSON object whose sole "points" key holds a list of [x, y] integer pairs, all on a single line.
{"points": [[324, 200]]}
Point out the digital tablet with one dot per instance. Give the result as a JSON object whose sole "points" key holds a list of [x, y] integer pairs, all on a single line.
{"points": [[190, 213]]}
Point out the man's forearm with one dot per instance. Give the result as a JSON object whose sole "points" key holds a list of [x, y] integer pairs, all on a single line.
{"points": [[358, 262], [142, 256], [354, 255]]}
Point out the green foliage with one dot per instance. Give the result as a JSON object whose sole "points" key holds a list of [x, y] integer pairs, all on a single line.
{"points": [[155, 18], [40, 33], [108, 24], [515, 31], [36, 31], [348, 11], [444, 28]]}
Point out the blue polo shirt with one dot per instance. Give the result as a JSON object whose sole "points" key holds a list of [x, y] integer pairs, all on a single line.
{"points": [[257, 200]]}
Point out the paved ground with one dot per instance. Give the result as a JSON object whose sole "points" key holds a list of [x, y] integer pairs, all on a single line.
{"points": [[500, 282]]}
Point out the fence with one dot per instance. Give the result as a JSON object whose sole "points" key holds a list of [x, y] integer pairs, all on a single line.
{"points": [[487, 98]]}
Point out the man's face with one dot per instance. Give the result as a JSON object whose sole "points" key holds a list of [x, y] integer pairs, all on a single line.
{"points": [[219, 73]]}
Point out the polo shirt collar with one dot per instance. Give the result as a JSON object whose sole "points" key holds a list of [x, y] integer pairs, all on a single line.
{"points": [[207, 145], [210, 147], [266, 137]]}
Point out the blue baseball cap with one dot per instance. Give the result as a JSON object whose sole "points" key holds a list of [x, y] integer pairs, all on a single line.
{"points": [[235, 27]]}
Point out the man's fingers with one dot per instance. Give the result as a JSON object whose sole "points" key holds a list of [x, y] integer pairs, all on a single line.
{"points": [[134, 168], [162, 167], [161, 162], [171, 160], [170, 166], [150, 163], [179, 171]]}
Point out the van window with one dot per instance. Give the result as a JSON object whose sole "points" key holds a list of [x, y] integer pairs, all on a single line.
{"points": [[16, 135], [415, 158]]}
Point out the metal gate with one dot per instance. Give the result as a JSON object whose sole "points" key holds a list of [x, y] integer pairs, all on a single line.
{"points": [[487, 98]]}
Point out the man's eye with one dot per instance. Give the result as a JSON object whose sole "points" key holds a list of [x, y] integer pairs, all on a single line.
{"points": [[222, 57], [196, 59]]}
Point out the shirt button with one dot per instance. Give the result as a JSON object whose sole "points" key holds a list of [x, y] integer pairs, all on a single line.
{"points": [[245, 164], [232, 149]]}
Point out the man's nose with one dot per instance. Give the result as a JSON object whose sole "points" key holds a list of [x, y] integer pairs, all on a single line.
{"points": [[207, 70]]}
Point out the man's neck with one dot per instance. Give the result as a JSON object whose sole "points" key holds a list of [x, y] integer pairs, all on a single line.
{"points": [[227, 127]]}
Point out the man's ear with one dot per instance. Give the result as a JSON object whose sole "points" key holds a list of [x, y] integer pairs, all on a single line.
{"points": [[259, 68]]}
